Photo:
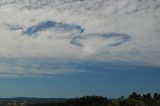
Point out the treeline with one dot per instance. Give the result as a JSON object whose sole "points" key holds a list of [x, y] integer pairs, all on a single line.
{"points": [[155, 96], [82, 101], [87, 101], [134, 99]]}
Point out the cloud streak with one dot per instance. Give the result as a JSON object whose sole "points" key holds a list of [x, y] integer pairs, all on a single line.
{"points": [[38, 67]]}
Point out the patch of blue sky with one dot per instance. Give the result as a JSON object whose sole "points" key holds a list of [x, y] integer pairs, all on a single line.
{"points": [[111, 79]]}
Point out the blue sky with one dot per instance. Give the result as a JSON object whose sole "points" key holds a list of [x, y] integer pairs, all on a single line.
{"points": [[112, 83], [68, 48]]}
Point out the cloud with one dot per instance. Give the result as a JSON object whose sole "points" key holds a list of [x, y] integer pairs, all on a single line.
{"points": [[102, 30]]}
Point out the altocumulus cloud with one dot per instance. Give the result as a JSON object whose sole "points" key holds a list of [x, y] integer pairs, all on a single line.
{"points": [[36, 33]]}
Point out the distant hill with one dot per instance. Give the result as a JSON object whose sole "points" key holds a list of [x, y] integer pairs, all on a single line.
{"points": [[26, 100]]}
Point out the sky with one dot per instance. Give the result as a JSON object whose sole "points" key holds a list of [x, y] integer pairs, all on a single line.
{"points": [[70, 48]]}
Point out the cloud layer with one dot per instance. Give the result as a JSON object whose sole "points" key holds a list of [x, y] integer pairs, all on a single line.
{"points": [[103, 30]]}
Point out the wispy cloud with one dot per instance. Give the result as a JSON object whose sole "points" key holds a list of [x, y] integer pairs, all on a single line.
{"points": [[43, 67], [38, 66]]}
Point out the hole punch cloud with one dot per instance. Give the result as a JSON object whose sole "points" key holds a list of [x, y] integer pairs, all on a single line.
{"points": [[43, 26], [96, 39]]}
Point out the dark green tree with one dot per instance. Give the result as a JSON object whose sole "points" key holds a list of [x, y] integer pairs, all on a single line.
{"points": [[134, 95], [156, 96], [147, 96], [88, 100]]}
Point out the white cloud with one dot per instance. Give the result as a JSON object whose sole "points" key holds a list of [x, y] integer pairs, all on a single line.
{"points": [[137, 19]]}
